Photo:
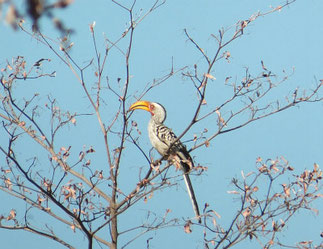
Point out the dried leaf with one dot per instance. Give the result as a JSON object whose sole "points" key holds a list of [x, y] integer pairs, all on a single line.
{"points": [[227, 79], [233, 192], [303, 243], [273, 167], [8, 183], [6, 171], [73, 121], [22, 123], [167, 212], [255, 189], [69, 192], [263, 168], [81, 155], [227, 55], [221, 120], [253, 202], [290, 168], [274, 225], [40, 200], [92, 25], [101, 175], [209, 76], [286, 190], [187, 227], [263, 226], [246, 213], [244, 24], [90, 150], [12, 214], [279, 7], [282, 223]]}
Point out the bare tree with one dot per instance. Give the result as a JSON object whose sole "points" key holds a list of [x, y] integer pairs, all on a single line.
{"points": [[263, 214], [57, 181]]}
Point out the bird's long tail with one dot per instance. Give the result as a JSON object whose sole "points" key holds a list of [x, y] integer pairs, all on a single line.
{"points": [[192, 195]]}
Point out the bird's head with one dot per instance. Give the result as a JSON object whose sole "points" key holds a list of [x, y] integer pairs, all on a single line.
{"points": [[157, 111]]}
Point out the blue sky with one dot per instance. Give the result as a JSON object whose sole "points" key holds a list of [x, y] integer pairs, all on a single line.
{"points": [[290, 40]]}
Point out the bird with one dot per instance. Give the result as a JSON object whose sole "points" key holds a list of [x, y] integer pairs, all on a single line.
{"points": [[168, 146]]}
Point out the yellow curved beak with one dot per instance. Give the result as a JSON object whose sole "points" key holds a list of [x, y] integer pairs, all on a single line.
{"points": [[141, 104]]}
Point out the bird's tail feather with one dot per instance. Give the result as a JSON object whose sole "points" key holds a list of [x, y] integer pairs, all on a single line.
{"points": [[192, 195]]}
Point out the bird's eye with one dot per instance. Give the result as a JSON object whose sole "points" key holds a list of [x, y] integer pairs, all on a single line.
{"points": [[151, 109]]}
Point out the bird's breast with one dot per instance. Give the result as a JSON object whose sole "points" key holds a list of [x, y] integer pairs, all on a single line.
{"points": [[155, 139]]}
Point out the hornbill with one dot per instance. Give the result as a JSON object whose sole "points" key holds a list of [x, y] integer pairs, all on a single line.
{"points": [[166, 143]]}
